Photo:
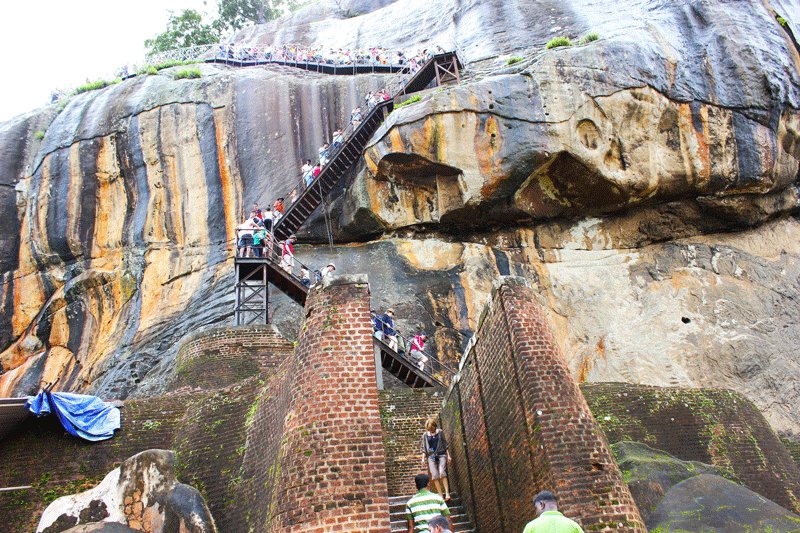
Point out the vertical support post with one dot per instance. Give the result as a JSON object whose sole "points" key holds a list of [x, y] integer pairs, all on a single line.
{"points": [[436, 70], [266, 294], [236, 312], [378, 366]]}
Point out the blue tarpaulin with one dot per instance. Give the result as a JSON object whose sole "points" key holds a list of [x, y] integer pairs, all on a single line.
{"points": [[87, 417]]}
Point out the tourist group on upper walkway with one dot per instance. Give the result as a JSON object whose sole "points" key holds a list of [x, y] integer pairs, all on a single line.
{"points": [[327, 55]]}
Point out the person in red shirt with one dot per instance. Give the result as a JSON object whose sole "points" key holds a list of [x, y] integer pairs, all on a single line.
{"points": [[418, 349], [277, 211], [316, 171], [287, 254]]}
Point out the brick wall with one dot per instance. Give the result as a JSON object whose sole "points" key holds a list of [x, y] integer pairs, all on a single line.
{"points": [[719, 427], [220, 357], [403, 416], [331, 460], [219, 434], [520, 424]]}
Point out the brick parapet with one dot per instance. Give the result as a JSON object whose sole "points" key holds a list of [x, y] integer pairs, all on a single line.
{"points": [[333, 468], [719, 427], [223, 356], [525, 426]]}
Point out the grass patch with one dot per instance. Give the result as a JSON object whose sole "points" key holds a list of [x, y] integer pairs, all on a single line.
{"points": [[39, 135], [95, 85], [590, 38], [153, 69], [782, 21], [557, 42], [514, 59], [188, 73], [414, 99]]}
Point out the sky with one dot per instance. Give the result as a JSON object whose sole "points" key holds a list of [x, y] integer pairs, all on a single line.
{"points": [[49, 44]]}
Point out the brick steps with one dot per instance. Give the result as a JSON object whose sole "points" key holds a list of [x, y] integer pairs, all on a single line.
{"points": [[458, 516]]}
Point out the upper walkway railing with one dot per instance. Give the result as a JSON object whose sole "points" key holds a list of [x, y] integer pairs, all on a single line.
{"points": [[394, 86]]}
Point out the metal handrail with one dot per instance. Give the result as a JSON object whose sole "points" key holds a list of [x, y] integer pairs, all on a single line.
{"points": [[272, 253], [393, 88], [433, 367]]}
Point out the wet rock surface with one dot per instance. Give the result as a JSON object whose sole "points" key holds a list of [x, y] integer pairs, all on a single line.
{"points": [[712, 503], [650, 473], [647, 182]]}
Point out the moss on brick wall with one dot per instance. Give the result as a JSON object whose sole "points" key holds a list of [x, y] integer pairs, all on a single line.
{"points": [[718, 427], [212, 432]]}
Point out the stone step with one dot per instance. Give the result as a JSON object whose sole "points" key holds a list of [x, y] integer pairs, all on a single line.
{"points": [[400, 503], [458, 517]]}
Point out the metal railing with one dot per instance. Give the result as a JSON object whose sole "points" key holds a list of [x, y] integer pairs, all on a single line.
{"points": [[427, 363], [272, 251], [392, 87]]}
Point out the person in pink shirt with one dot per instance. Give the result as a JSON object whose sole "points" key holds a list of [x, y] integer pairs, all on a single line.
{"points": [[417, 350]]}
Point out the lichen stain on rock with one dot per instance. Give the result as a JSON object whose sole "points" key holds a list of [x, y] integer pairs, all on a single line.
{"points": [[396, 141], [112, 204], [231, 189], [489, 152], [430, 254]]}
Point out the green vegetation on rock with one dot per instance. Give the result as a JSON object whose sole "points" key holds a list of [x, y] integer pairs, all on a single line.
{"points": [[556, 42], [514, 59], [95, 85], [189, 73], [782, 21], [39, 135], [590, 37], [414, 99]]}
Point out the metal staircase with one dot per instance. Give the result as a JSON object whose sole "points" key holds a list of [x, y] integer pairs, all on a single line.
{"points": [[254, 274], [441, 68]]}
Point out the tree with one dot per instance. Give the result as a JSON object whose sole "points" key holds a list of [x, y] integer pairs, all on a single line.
{"points": [[235, 14], [187, 29]]}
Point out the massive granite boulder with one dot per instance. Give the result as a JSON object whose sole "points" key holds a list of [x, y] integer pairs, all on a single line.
{"points": [[142, 494], [646, 181], [714, 504]]}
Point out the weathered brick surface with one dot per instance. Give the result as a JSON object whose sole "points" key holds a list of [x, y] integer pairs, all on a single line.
{"points": [[221, 357], [216, 434], [793, 446], [403, 416], [333, 469], [719, 427], [525, 427]]}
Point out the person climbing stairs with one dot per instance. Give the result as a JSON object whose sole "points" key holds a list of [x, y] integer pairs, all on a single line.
{"points": [[458, 516]]}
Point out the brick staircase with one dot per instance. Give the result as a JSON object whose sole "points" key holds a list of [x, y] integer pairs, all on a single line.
{"points": [[403, 415], [459, 518]]}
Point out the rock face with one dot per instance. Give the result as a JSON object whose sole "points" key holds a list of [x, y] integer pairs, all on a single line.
{"points": [[141, 495], [711, 503], [646, 181], [649, 473]]}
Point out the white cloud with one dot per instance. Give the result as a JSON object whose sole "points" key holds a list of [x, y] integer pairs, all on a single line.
{"points": [[49, 44]]}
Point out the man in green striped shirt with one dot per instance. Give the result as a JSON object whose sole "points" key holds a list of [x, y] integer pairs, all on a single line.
{"points": [[424, 506]]}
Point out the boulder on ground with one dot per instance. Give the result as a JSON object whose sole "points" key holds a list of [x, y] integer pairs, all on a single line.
{"points": [[143, 494], [650, 473], [711, 503]]}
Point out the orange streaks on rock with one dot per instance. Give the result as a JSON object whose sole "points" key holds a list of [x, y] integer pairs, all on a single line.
{"points": [[229, 189]]}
